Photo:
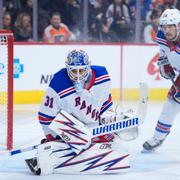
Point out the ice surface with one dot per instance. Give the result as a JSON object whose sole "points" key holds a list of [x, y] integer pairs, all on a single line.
{"points": [[163, 164]]}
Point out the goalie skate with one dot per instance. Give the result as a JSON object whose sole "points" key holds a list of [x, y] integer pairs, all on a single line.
{"points": [[152, 144], [33, 166]]}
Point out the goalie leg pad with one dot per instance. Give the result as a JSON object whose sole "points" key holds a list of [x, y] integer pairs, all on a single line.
{"points": [[49, 154], [99, 158]]}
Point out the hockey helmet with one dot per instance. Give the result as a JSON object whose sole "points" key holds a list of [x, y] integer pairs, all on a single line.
{"points": [[78, 66], [170, 17]]}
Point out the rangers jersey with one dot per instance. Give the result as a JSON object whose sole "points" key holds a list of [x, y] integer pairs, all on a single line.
{"points": [[172, 51], [87, 106]]}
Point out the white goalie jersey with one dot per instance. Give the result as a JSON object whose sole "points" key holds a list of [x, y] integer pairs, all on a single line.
{"points": [[87, 106]]}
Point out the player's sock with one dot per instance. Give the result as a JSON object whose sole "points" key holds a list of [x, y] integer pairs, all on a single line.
{"points": [[33, 166]]}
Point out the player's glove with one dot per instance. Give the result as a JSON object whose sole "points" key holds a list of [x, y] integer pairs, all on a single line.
{"points": [[111, 116], [108, 117], [165, 68]]}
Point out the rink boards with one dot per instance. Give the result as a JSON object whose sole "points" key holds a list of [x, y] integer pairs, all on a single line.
{"points": [[35, 63]]}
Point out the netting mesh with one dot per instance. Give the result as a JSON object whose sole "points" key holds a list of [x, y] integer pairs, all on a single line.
{"points": [[3, 90]]}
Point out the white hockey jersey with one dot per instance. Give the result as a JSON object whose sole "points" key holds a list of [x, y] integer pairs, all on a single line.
{"points": [[85, 106], [170, 50]]}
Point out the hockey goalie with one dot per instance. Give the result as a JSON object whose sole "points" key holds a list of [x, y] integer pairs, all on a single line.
{"points": [[78, 98]]}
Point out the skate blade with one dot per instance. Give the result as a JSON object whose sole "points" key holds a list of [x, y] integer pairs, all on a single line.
{"points": [[145, 151]]}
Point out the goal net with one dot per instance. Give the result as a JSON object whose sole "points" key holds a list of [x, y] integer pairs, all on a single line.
{"points": [[6, 89]]}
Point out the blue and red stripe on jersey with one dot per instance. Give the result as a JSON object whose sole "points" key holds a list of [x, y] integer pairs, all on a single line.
{"points": [[163, 128], [161, 41], [45, 119], [102, 79], [67, 92], [107, 104]]}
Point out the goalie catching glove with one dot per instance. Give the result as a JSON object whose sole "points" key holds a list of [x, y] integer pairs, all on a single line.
{"points": [[112, 116], [165, 68]]}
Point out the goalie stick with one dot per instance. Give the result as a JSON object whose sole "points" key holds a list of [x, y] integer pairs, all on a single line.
{"points": [[173, 82], [18, 151], [117, 126], [132, 133], [143, 101]]}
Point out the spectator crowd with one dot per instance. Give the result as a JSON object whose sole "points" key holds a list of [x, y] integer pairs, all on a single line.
{"points": [[62, 20]]}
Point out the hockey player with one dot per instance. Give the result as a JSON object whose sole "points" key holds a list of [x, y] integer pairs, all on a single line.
{"points": [[168, 39], [78, 97]]}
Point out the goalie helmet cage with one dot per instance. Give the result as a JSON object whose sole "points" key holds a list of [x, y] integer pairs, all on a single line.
{"points": [[6, 89]]}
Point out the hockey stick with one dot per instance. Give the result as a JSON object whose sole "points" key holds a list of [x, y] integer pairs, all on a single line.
{"points": [[132, 133], [18, 151], [177, 93], [117, 126], [143, 101], [173, 82]]}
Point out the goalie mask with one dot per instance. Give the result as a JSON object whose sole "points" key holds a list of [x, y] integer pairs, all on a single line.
{"points": [[170, 17], [78, 68]]}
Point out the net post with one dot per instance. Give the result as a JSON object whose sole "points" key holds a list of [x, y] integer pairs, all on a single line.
{"points": [[10, 92], [7, 39]]}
